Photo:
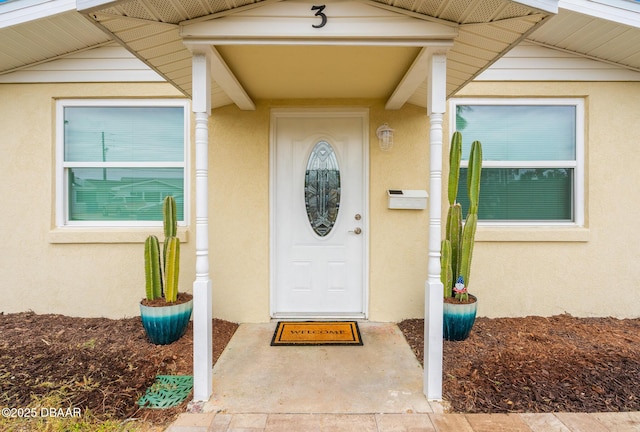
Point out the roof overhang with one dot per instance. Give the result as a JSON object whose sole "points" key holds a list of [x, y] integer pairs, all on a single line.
{"points": [[279, 49]]}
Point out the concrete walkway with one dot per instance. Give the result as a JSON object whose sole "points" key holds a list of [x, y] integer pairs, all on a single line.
{"points": [[374, 388]]}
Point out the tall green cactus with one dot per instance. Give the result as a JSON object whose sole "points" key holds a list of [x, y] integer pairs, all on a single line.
{"points": [[163, 272], [172, 269], [152, 270], [170, 222], [169, 217], [471, 222], [457, 248], [455, 154], [446, 273], [171, 251], [453, 233]]}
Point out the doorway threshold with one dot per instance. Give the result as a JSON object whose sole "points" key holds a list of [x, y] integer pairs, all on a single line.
{"points": [[317, 317]]}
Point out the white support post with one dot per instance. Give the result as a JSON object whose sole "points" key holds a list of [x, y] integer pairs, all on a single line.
{"points": [[202, 292], [434, 291]]}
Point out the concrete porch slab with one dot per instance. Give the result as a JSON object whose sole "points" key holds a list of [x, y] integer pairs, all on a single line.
{"points": [[382, 376]]}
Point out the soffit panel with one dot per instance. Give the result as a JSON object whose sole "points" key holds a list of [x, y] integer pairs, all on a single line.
{"points": [[460, 69], [157, 44], [458, 76], [478, 40], [174, 61], [463, 11], [167, 12], [463, 59], [142, 31], [171, 66], [511, 10], [161, 38], [160, 51], [593, 37], [47, 38], [137, 9]]}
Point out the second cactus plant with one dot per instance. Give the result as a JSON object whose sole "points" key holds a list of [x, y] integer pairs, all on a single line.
{"points": [[457, 247], [162, 271], [165, 321]]}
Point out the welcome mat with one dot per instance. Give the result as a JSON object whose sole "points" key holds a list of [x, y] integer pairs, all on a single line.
{"points": [[316, 333]]}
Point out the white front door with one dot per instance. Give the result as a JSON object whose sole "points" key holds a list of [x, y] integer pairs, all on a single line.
{"points": [[319, 213]]}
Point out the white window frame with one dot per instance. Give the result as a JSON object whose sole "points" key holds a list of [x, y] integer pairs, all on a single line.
{"points": [[578, 201], [62, 167]]}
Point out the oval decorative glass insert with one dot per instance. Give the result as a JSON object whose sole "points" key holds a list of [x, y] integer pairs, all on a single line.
{"points": [[322, 188]]}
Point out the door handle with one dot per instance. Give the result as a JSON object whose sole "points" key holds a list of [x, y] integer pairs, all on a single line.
{"points": [[356, 231]]}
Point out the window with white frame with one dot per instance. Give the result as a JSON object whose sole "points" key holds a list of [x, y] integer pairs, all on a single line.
{"points": [[118, 159], [533, 160]]}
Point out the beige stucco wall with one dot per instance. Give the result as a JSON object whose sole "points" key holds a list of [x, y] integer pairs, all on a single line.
{"points": [[589, 272], [93, 272], [525, 271], [101, 276], [239, 211]]}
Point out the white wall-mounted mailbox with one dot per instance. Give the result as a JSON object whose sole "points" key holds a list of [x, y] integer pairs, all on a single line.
{"points": [[407, 199]]}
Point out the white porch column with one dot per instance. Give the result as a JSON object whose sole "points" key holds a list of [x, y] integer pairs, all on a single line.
{"points": [[202, 295], [434, 291]]}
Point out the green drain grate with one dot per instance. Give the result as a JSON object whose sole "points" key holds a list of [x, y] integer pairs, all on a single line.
{"points": [[167, 391]]}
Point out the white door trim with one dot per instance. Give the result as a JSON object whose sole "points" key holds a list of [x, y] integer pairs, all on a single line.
{"points": [[277, 113]]}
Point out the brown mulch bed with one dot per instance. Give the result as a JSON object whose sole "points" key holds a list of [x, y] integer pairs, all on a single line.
{"points": [[531, 364], [95, 364], [537, 364]]}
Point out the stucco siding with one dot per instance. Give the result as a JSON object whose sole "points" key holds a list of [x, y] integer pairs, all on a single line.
{"points": [[239, 211], [588, 271], [41, 269], [399, 251], [584, 272]]}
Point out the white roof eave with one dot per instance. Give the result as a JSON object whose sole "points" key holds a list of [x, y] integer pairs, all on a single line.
{"points": [[625, 12], [23, 11], [86, 6], [550, 6]]}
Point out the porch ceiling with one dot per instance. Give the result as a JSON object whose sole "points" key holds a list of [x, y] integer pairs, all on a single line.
{"points": [[34, 32], [305, 72]]}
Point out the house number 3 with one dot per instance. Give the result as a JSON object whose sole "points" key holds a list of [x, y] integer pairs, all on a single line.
{"points": [[322, 16]]}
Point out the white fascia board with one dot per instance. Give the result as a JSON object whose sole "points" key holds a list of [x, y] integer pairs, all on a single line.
{"points": [[550, 6], [119, 76], [627, 13], [20, 12], [86, 6], [566, 75]]}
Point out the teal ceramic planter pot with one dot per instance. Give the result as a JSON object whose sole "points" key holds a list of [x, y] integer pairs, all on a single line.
{"points": [[166, 324], [458, 319]]}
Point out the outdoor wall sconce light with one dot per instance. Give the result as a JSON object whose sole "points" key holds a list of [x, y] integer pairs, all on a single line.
{"points": [[385, 137]]}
